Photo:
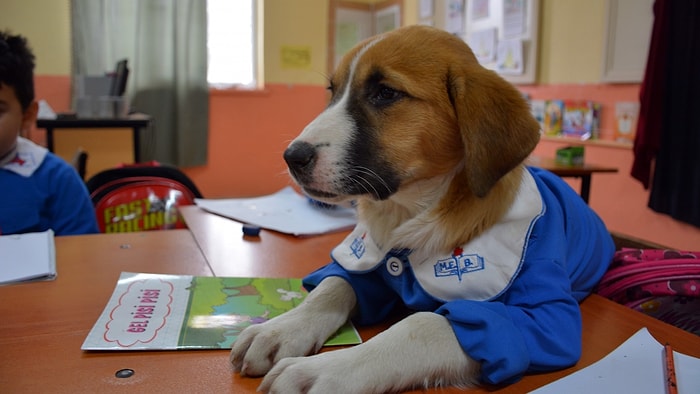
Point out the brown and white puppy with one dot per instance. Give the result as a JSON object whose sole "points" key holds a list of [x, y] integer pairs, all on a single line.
{"points": [[430, 145]]}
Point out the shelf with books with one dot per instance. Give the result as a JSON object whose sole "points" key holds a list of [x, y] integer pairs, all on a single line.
{"points": [[595, 142]]}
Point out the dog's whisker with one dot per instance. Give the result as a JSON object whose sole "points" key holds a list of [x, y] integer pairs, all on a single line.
{"points": [[365, 183], [362, 182], [371, 172]]}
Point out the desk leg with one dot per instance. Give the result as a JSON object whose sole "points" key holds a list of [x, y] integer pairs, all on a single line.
{"points": [[585, 187], [137, 144], [49, 138]]}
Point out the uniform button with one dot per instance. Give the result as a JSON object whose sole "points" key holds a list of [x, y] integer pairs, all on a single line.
{"points": [[394, 265]]}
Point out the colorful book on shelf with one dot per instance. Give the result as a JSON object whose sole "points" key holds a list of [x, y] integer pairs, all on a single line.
{"points": [[553, 112], [626, 115], [160, 312], [581, 119]]}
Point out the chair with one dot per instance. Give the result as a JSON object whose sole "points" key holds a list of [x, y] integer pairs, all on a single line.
{"points": [[141, 197], [79, 162]]}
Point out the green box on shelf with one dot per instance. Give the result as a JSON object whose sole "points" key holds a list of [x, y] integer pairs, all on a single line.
{"points": [[570, 156]]}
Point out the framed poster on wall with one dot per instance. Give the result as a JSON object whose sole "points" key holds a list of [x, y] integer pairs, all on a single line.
{"points": [[504, 35]]}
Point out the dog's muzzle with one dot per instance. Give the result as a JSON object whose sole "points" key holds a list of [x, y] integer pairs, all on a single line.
{"points": [[300, 158], [367, 178]]}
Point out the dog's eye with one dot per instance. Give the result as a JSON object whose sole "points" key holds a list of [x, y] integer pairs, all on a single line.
{"points": [[385, 95]]}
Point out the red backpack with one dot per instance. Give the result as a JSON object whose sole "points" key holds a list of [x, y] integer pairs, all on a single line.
{"points": [[141, 198]]}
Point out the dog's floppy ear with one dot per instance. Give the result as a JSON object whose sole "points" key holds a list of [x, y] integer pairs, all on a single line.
{"points": [[497, 128]]}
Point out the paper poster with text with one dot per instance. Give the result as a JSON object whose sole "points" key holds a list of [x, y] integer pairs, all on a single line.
{"points": [[158, 312]]}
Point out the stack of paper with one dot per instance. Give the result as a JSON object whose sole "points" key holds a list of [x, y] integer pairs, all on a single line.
{"points": [[25, 257], [285, 211]]}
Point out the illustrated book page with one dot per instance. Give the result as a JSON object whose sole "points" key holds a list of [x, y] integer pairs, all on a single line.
{"points": [[152, 311]]}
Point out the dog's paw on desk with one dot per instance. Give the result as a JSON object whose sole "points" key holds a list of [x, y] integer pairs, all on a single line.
{"points": [[259, 347], [382, 364], [300, 332]]}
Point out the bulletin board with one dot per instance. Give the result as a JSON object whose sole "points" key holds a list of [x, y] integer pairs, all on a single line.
{"points": [[503, 35]]}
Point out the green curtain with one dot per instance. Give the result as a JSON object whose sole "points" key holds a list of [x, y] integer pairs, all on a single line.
{"points": [[165, 44]]}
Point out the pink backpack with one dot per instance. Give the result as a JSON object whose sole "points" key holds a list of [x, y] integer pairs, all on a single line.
{"points": [[664, 284]]}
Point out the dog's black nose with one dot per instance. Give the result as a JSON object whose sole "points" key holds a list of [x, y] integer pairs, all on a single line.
{"points": [[300, 156]]}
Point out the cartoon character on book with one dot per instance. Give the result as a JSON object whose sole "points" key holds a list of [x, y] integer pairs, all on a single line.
{"points": [[287, 295]]}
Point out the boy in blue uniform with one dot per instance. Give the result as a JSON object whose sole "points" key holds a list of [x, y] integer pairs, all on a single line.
{"points": [[38, 190]]}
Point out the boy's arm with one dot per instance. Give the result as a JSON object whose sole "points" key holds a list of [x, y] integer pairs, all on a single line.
{"points": [[71, 209]]}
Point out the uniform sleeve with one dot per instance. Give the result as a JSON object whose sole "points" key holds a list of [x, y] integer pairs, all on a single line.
{"points": [[71, 210], [535, 326], [375, 300]]}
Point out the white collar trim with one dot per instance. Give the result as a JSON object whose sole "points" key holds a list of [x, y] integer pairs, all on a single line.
{"points": [[27, 159], [482, 269]]}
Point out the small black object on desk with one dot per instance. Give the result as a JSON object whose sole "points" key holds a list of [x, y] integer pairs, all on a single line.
{"points": [[251, 230]]}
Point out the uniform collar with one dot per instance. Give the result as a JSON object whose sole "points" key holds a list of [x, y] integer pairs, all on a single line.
{"points": [[482, 269], [25, 158]]}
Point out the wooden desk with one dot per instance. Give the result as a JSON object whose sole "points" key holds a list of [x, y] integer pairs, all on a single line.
{"points": [[44, 324], [605, 324], [272, 254], [135, 122], [584, 171]]}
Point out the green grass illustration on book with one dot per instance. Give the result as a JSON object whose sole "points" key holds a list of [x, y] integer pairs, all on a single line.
{"points": [[152, 311], [220, 308]]}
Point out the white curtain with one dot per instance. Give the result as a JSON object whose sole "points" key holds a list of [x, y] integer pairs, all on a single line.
{"points": [[165, 44]]}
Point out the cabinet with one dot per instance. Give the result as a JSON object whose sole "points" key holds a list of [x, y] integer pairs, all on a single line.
{"points": [[628, 32]]}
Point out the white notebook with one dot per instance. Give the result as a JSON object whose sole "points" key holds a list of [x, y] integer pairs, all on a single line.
{"points": [[285, 211], [637, 366], [27, 257]]}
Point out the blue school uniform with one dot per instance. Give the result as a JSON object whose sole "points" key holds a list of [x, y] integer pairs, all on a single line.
{"points": [[511, 295], [40, 191]]}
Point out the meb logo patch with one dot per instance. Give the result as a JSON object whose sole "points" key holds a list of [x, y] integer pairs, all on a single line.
{"points": [[458, 264], [358, 246]]}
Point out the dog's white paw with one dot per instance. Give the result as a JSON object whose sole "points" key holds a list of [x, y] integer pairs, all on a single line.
{"points": [[299, 332], [332, 372], [419, 351], [261, 346]]}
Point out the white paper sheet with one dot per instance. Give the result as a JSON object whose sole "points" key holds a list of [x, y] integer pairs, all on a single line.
{"points": [[637, 366], [285, 211], [25, 257]]}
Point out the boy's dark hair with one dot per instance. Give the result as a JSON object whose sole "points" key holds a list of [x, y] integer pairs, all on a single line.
{"points": [[17, 67]]}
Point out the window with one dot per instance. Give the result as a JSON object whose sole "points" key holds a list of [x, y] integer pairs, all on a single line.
{"points": [[232, 43]]}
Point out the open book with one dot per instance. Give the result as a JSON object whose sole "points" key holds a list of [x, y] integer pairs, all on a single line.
{"points": [[156, 312]]}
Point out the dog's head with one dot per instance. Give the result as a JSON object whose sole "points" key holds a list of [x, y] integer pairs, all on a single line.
{"points": [[408, 106]]}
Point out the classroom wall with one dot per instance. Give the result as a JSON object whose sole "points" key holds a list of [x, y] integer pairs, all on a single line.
{"points": [[46, 24], [571, 41], [249, 130], [298, 23]]}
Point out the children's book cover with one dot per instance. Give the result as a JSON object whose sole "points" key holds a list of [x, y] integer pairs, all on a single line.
{"points": [[554, 110], [581, 119], [158, 312], [538, 108], [626, 114]]}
